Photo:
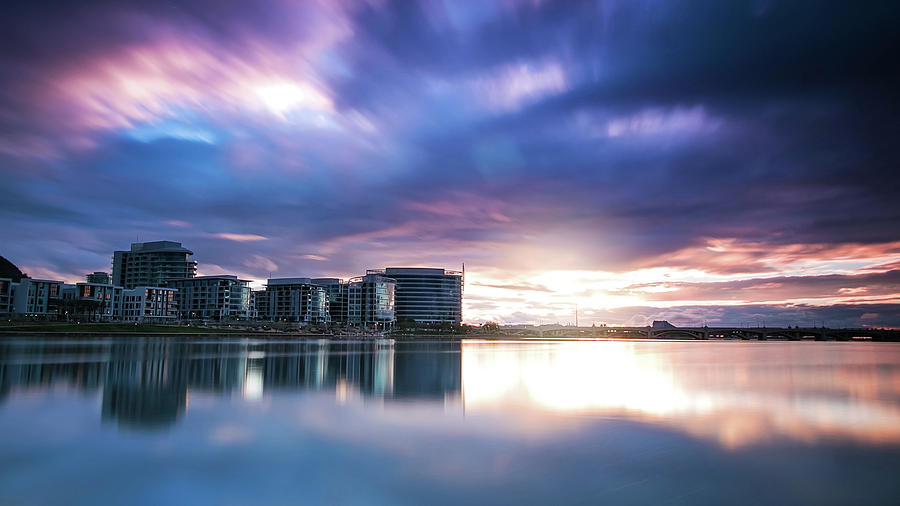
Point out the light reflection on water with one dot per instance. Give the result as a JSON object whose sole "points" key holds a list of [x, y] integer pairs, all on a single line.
{"points": [[734, 392], [262, 421]]}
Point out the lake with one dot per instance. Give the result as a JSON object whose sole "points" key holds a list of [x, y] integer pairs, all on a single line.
{"points": [[262, 421]]}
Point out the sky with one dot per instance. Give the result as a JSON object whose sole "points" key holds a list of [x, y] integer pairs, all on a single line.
{"points": [[697, 161]]}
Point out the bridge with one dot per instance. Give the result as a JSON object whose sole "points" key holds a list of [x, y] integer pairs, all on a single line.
{"points": [[729, 333]]}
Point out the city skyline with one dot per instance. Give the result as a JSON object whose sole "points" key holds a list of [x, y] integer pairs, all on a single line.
{"points": [[687, 161]]}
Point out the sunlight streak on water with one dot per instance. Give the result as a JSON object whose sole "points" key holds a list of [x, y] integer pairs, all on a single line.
{"points": [[736, 393], [149, 421]]}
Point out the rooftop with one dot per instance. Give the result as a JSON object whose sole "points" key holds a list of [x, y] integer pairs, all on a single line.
{"points": [[428, 271], [289, 281], [159, 247]]}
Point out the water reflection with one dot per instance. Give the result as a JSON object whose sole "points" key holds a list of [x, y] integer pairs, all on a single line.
{"points": [[159, 421], [736, 394], [146, 383]]}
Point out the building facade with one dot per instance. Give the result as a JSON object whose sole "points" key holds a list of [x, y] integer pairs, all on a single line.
{"points": [[6, 297], [152, 264], [376, 296], [149, 304], [260, 301], [212, 297], [337, 291], [296, 300], [100, 278], [107, 299], [425, 295], [35, 297]]}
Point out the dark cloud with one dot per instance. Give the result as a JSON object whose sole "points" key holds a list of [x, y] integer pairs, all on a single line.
{"points": [[518, 135]]}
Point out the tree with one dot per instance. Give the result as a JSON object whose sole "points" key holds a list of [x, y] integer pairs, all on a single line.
{"points": [[490, 327]]}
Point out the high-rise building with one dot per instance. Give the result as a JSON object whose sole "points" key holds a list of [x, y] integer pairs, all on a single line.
{"points": [[214, 297], [426, 295], [152, 264]]}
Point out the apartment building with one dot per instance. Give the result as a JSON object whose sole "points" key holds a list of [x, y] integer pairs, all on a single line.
{"points": [[212, 297], [152, 264]]}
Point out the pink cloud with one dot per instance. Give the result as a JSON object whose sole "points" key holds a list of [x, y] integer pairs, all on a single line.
{"points": [[170, 65], [260, 263], [38, 272], [241, 237], [733, 256]]}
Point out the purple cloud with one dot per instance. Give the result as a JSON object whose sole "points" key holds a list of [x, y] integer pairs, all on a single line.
{"points": [[520, 137]]}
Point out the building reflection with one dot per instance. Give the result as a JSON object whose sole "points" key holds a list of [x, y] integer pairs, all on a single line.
{"points": [[734, 393], [146, 383]]}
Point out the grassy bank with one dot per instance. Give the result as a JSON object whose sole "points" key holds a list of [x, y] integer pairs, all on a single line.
{"points": [[108, 328]]}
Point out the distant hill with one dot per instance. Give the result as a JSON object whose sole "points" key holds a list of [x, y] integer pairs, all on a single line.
{"points": [[9, 270]]}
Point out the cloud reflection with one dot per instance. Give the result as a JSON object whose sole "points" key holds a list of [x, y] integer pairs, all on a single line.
{"points": [[735, 393]]}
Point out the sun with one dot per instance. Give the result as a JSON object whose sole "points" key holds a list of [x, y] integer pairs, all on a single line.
{"points": [[283, 97]]}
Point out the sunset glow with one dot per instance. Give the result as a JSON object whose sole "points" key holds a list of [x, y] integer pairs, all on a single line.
{"points": [[606, 156], [735, 407]]}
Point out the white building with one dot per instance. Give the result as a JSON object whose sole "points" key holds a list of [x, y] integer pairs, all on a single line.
{"points": [[296, 300], [212, 297], [35, 297], [148, 304], [6, 298], [152, 264], [108, 298]]}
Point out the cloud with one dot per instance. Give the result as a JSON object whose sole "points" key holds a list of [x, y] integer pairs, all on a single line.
{"points": [[829, 288], [514, 85], [742, 315], [241, 237], [518, 287], [676, 138], [260, 263]]}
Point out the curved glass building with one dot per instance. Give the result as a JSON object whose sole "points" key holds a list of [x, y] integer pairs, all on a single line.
{"points": [[426, 295]]}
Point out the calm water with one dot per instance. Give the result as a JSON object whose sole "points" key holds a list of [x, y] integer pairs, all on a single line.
{"points": [[237, 421]]}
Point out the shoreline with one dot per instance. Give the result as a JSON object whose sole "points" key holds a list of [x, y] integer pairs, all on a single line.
{"points": [[98, 330], [373, 337]]}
